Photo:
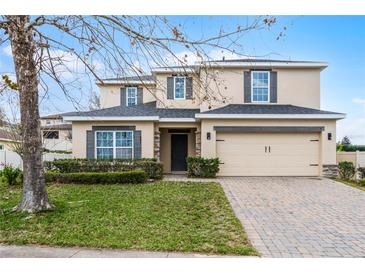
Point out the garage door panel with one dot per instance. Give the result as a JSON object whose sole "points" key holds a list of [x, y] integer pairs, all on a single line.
{"points": [[291, 154]]}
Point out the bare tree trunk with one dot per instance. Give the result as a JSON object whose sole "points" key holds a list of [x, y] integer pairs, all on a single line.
{"points": [[35, 197]]}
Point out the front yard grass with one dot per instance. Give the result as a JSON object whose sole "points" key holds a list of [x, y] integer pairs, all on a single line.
{"points": [[161, 216], [353, 184]]}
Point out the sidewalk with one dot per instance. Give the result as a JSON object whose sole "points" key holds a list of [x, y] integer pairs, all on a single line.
{"points": [[14, 251]]}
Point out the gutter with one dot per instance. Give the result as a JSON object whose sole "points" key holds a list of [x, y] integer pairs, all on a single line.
{"points": [[336, 116]]}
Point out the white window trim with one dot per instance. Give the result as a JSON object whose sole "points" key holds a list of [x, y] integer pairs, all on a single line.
{"points": [[268, 88], [114, 142], [135, 96], [184, 98]]}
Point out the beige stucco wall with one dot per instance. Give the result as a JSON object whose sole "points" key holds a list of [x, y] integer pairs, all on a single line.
{"points": [[328, 148], [110, 95], [300, 87], [161, 93], [218, 87], [222, 87], [79, 136]]}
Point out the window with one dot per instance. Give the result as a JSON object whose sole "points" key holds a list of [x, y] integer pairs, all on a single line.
{"points": [[260, 86], [114, 144], [179, 87], [131, 96], [51, 134], [1, 147]]}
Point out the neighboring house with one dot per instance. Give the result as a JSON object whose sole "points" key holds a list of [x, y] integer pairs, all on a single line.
{"points": [[57, 134], [8, 137], [260, 117]]}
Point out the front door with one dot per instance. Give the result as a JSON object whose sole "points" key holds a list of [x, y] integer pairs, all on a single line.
{"points": [[179, 152]]}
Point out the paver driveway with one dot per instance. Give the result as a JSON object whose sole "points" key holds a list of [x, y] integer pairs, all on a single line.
{"points": [[299, 217]]}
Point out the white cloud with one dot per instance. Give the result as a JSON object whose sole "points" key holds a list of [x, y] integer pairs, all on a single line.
{"points": [[68, 65], [7, 50], [358, 101], [218, 54], [189, 57], [353, 128]]}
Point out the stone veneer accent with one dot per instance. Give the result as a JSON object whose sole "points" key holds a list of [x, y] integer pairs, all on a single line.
{"points": [[156, 144], [197, 143], [329, 171]]}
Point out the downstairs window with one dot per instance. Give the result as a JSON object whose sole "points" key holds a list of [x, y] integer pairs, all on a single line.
{"points": [[114, 144]]}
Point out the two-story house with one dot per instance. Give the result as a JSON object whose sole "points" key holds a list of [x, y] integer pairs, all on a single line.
{"points": [[260, 117]]}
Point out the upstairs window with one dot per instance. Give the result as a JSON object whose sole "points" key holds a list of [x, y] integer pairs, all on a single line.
{"points": [[260, 86], [114, 144], [179, 87], [131, 96], [52, 134]]}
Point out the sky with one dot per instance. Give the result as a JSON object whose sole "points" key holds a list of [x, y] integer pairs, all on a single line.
{"points": [[338, 40]]}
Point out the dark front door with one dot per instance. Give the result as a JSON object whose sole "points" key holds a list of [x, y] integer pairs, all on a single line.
{"points": [[179, 152]]}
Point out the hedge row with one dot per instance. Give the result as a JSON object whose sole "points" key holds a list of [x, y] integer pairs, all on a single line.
{"points": [[350, 148], [127, 177], [153, 169], [202, 167]]}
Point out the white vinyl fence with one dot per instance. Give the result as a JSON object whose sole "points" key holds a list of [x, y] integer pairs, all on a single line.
{"points": [[8, 157], [356, 157]]}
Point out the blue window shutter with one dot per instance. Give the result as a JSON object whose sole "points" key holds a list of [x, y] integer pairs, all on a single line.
{"points": [[247, 86], [139, 96], [273, 87], [123, 97], [170, 88], [137, 144], [90, 144]]}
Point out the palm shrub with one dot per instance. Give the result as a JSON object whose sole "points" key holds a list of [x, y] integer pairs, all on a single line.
{"points": [[346, 170], [11, 175]]}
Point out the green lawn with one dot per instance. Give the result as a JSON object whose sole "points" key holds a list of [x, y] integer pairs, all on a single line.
{"points": [[163, 216], [353, 184]]}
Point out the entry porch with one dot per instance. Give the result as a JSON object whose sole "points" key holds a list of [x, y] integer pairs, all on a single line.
{"points": [[174, 143]]}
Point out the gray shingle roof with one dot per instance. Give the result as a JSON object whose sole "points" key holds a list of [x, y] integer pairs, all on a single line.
{"points": [[57, 115], [9, 134], [253, 60], [266, 109], [147, 109], [59, 127], [132, 78]]}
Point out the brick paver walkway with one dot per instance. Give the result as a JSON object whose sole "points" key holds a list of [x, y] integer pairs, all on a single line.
{"points": [[299, 217]]}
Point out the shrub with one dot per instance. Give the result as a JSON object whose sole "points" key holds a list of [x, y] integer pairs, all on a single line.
{"points": [[126, 177], [11, 176], [346, 170], [202, 167], [361, 170], [361, 182], [153, 169]]}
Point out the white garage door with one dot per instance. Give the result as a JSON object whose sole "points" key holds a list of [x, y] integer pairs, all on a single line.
{"points": [[268, 154]]}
